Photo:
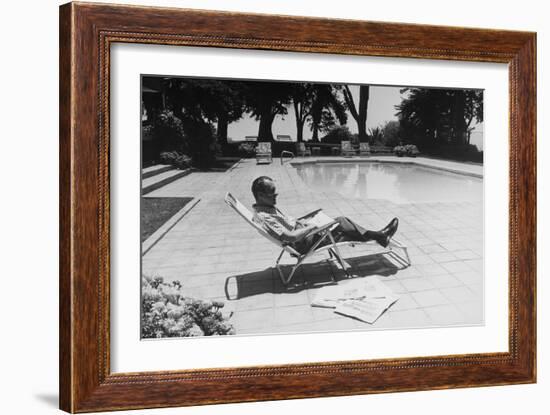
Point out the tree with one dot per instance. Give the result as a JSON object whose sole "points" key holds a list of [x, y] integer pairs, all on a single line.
{"points": [[230, 107], [337, 135], [206, 100], [390, 131], [326, 109], [432, 116], [302, 101], [359, 112], [473, 109], [266, 100]]}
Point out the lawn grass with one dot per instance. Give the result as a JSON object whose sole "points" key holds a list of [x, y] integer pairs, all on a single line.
{"points": [[155, 211]]}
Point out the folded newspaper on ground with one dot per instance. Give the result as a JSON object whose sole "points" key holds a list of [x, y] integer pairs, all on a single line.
{"points": [[367, 310], [365, 298]]}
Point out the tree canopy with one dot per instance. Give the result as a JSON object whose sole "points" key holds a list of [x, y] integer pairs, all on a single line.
{"points": [[439, 116], [266, 100], [212, 100]]}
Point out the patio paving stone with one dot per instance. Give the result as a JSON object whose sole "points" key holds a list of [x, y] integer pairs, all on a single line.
{"points": [[217, 256]]}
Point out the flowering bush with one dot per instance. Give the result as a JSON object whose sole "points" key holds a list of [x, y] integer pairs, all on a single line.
{"points": [[165, 312], [411, 150], [408, 150], [399, 151], [179, 160]]}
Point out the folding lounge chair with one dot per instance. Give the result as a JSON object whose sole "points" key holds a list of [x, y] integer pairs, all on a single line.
{"points": [[263, 153], [325, 232], [346, 149], [364, 150]]}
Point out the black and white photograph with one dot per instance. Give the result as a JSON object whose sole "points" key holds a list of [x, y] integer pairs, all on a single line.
{"points": [[273, 207]]}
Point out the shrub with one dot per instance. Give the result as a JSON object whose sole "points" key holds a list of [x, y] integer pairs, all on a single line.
{"points": [[391, 133], [337, 135], [168, 157], [147, 132], [199, 138], [176, 159], [247, 150], [399, 151], [182, 162], [411, 150], [376, 135], [166, 312], [168, 129]]}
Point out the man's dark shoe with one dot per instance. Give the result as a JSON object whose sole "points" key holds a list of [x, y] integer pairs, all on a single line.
{"points": [[387, 233]]}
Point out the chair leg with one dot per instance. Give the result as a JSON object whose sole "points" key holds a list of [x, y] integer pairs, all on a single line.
{"points": [[404, 259], [344, 264], [286, 279]]}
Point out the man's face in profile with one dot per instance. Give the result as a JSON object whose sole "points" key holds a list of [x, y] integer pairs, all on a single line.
{"points": [[268, 196]]}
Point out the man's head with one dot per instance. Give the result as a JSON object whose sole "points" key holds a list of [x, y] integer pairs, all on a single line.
{"points": [[264, 191]]}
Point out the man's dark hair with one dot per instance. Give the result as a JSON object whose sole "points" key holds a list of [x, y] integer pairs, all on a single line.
{"points": [[261, 184]]}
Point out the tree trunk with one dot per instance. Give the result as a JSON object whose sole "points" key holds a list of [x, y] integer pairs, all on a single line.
{"points": [[362, 129], [264, 130], [315, 136], [222, 129], [459, 121], [362, 113], [299, 122], [300, 134]]}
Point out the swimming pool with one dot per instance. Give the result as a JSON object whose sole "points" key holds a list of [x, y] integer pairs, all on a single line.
{"points": [[397, 182]]}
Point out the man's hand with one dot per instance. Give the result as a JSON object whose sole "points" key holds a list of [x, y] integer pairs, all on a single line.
{"points": [[300, 223], [298, 233]]}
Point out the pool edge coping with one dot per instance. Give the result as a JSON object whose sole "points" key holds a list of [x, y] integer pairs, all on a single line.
{"points": [[296, 162]]}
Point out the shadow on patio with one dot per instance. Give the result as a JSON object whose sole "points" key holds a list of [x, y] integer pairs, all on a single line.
{"points": [[309, 275]]}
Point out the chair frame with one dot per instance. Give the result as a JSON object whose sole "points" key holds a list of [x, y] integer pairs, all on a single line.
{"points": [[263, 156], [325, 232], [302, 150], [364, 150], [347, 152]]}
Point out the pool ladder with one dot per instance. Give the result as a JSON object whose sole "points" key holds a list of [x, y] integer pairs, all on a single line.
{"points": [[290, 153]]}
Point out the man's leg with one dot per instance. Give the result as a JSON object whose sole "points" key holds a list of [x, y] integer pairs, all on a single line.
{"points": [[348, 230]]}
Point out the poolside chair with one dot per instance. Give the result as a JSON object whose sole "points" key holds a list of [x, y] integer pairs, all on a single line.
{"points": [[302, 150], [263, 153], [346, 149], [325, 232], [364, 150]]}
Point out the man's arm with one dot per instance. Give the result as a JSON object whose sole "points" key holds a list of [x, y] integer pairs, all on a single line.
{"points": [[296, 234], [282, 233]]}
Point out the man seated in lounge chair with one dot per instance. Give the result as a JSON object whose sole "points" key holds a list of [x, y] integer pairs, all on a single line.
{"points": [[294, 232]]}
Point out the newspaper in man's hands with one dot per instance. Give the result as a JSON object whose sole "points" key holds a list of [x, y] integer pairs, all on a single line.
{"points": [[320, 219]]}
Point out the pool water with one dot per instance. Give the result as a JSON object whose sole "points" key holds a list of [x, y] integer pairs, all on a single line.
{"points": [[399, 183]]}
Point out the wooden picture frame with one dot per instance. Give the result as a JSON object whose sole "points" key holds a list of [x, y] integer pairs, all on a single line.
{"points": [[86, 33]]}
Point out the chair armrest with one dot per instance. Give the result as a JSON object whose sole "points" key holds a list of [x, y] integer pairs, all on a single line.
{"points": [[310, 214]]}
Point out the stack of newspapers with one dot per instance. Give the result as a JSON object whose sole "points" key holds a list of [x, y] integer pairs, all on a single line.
{"points": [[364, 298]]}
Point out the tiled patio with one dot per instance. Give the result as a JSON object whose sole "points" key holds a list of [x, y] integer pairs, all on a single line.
{"points": [[217, 255]]}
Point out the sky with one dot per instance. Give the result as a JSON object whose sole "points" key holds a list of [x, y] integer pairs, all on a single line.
{"points": [[381, 109]]}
